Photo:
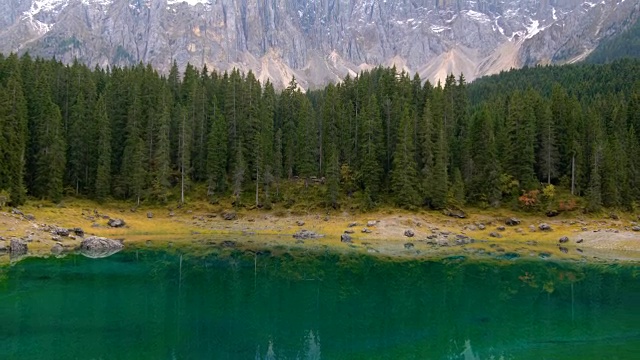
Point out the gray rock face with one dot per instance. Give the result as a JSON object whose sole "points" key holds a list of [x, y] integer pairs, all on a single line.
{"points": [[280, 39], [99, 247]]}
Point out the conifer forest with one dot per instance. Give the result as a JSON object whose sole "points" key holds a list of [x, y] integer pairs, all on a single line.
{"points": [[381, 137]]}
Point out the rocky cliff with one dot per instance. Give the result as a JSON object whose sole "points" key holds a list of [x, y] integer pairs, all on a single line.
{"points": [[317, 41]]}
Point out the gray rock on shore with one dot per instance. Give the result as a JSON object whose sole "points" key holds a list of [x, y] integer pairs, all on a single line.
{"points": [[99, 247], [18, 247], [116, 223], [306, 234]]}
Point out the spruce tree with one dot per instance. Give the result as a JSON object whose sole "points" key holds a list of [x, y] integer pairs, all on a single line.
{"points": [[103, 150], [217, 154], [404, 176], [13, 146], [370, 149]]}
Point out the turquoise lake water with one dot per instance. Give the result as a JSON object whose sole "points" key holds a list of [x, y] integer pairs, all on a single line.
{"points": [[161, 305]]}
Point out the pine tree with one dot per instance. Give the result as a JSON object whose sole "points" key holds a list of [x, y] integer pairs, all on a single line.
{"points": [[103, 147], [161, 151], [50, 148], [13, 141], [333, 176], [306, 150], [519, 127], [370, 150], [426, 137], [133, 171], [184, 149], [217, 154], [484, 187], [547, 156], [404, 175]]}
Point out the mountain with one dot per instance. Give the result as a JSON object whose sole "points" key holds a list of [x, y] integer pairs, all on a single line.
{"points": [[317, 41], [623, 45]]}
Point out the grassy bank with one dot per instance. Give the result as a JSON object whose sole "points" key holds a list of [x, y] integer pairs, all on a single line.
{"points": [[201, 223]]}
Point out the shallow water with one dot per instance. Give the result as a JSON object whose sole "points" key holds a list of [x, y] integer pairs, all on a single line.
{"points": [[160, 305]]}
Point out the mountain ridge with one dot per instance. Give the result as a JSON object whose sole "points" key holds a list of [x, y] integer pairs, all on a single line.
{"points": [[316, 41]]}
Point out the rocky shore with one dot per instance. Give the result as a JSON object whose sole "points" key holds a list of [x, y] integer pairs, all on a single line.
{"points": [[397, 234]]}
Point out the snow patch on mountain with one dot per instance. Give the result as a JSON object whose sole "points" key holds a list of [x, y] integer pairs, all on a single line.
{"points": [[189, 2]]}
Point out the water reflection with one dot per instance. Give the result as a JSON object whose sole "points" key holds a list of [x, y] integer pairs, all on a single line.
{"points": [[238, 306]]}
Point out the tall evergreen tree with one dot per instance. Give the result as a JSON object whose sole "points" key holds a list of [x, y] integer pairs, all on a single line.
{"points": [[13, 127], [103, 150], [404, 176]]}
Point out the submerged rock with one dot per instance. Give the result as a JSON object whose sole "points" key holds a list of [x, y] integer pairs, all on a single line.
{"points": [[99, 247], [408, 246]]}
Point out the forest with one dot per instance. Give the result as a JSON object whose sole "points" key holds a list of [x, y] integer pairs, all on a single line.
{"points": [[383, 137]]}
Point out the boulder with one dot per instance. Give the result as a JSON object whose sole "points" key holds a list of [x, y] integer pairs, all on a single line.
{"points": [[62, 232], [116, 223], [230, 215], [512, 221], [552, 213], [366, 231], [371, 223], [408, 246], [172, 214], [306, 234], [495, 235], [149, 215], [300, 223], [481, 226], [29, 217], [229, 244], [57, 249], [454, 213], [500, 228], [636, 228], [409, 233], [579, 241], [544, 227], [563, 249], [78, 231], [17, 247], [16, 212], [99, 247], [564, 239], [352, 224], [349, 231], [345, 238]]}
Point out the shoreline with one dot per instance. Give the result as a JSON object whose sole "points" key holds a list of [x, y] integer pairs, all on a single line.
{"points": [[434, 234]]}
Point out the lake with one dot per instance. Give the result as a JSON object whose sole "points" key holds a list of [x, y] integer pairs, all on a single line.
{"points": [[231, 304]]}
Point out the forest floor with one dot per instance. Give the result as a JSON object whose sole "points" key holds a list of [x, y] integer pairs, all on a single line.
{"points": [[202, 225]]}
